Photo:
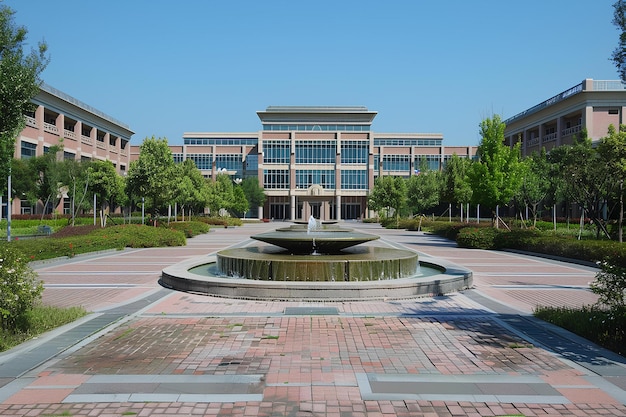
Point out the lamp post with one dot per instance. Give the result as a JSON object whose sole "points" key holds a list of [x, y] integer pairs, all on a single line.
{"points": [[142, 210], [9, 206]]}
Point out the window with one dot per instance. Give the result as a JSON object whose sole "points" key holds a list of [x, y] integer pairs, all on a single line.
{"points": [[221, 141], [202, 160], [316, 151], [275, 178], [432, 162], [276, 151], [396, 163], [354, 152], [407, 142], [308, 177], [28, 150], [353, 179], [178, 157], [316, 127], [232, 162]]}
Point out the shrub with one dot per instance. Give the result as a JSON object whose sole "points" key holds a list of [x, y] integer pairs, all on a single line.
{"points": [[477, 237], [610, 285], [19, 288], [190, 229]]}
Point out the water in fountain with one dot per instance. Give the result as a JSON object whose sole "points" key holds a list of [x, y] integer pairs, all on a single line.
{"points": [[317, 253]]}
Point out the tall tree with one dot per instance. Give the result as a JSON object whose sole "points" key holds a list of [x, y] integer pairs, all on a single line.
{"points": [[152, 176], [423, 190], [535, 184], [497, 175], [455, 186], [619, 53], [389, 193], [19, 83], [104, 183], [254, 193], [191, 187], [586, 178]]}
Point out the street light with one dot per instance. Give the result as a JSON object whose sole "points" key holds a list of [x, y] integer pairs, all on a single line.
{"points": [[142, 210]]}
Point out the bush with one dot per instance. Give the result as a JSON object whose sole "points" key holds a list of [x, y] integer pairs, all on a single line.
{"points": [[610, 285], [607, 328], [190, 229], [112, 237], [477, 237], [19, 288]]}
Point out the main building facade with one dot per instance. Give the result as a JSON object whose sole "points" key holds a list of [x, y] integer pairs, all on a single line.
{"points": [[319, 161]]}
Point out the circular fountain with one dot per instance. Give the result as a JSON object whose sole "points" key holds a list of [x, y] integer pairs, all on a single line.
{"points": [[316, 261]]}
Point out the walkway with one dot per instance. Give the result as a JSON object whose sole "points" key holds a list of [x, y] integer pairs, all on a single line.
{"points": [[148, 351]]}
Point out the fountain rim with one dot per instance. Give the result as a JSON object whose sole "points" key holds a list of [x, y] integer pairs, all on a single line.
{"points": [[451, 279]]}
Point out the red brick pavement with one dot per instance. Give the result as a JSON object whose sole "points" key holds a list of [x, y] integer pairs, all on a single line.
{"points": [[310, 364]]}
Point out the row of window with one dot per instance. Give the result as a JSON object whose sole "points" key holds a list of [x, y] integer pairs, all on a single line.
{"points": [[221, 141], [407, 142], [350, 179], [316, 127]]}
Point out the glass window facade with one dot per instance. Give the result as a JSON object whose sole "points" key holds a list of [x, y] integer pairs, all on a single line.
{"points": [[433, 162], [221, 141], [202, 160], [232, 162], [28, 150], [354, 152], [315, 151], [396, 162], [354, 179], [276, 151], [316, 127], [178, 157], [252, 162], [407, 142], [308, 177], [276, 179]]}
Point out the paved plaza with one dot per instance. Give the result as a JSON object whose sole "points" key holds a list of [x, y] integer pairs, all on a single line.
{"points": [[146, 350]]}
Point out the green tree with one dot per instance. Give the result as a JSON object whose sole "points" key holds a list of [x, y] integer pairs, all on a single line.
{"points": [[389, 194], [585, 177], [50, 172], [191, 187], [253, 192], [423, 190], [612, 150], [536, 184], [240, 203], [455, 186], [153, 175], [497, 175], [104, 183], [19, 83], [619, 53], [24, 180]]}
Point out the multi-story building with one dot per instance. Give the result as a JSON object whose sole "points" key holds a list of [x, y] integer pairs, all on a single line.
{"points": [[319, 161], [592, 105], [84, 132]]}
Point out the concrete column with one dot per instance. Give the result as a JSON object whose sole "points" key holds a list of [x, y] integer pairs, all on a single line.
{"points": [[559, 131], [293, 207], [338, 207]]}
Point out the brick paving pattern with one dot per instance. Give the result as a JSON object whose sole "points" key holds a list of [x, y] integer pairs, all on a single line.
{"points": [[189, 353]]}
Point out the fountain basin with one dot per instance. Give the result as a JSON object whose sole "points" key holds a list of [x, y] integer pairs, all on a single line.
{"points": [[352, 264], [180, 277], [299, 240]]}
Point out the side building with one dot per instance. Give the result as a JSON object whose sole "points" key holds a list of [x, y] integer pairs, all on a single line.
{"points": [[85, 133], [592, 105], [314, 160]]}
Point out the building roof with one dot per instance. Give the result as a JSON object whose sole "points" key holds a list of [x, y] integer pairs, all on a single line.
{"points": [[317, 114]]}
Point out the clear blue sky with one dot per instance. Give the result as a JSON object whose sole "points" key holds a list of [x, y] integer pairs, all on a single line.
{"points": [[166, 67]]}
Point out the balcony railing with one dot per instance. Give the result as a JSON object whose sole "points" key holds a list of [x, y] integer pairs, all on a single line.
{"points": [[85, 139], [69, 134], [571, 130], [30, 121], [549, 137], [100, 145], [50, 128]]}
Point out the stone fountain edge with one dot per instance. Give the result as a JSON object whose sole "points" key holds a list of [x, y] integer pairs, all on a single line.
{"points": [[453, 278]]}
